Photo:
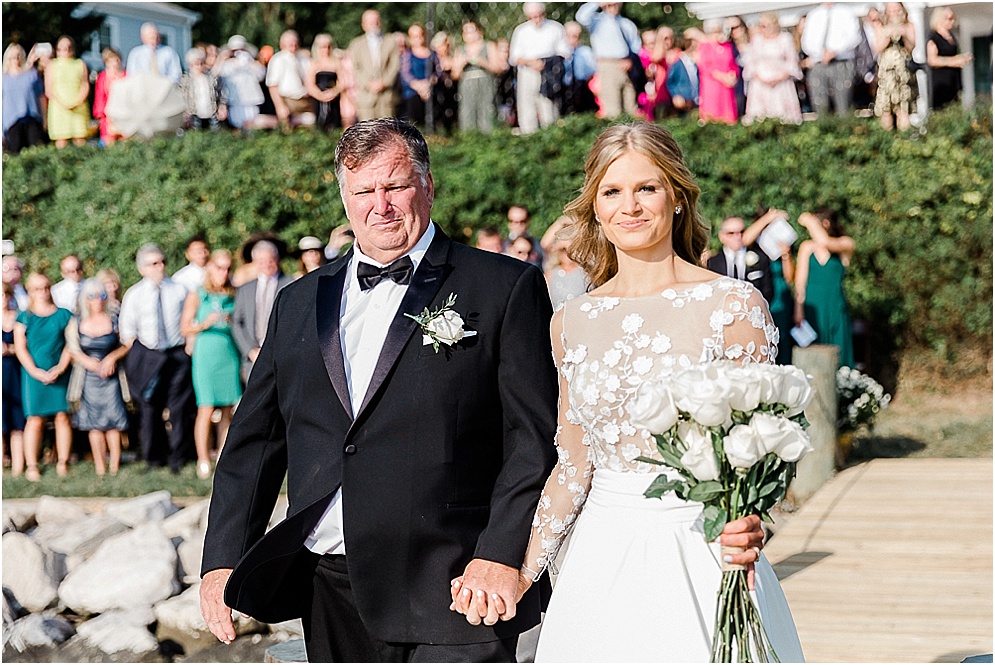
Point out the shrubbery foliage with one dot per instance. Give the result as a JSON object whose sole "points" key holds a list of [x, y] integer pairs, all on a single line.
{"points": [[919, 206]]}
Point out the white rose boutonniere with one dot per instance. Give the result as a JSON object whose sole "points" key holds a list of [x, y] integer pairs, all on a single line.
{"points": [[752, 258], [442, 326]]}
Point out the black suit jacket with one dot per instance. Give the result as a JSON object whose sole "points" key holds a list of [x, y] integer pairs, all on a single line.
{"points": [[758, 275], [443, 463]]}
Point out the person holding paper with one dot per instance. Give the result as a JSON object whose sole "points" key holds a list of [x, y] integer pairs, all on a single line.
{"points": [[741, 261], [819, 297], [772, 233]]}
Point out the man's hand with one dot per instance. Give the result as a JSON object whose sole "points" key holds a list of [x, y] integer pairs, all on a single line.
{"points": [[488, 592], [748, 534], [212, 604]]}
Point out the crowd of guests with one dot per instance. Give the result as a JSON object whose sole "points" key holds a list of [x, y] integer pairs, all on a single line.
{"points": [[832, 61], [166, 360]]}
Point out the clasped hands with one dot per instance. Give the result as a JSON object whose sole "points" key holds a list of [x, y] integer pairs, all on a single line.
{"points": [[488, 592]]}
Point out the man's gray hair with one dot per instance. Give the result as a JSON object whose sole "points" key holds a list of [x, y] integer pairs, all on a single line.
{"points": [[366, 140], [264, 247], [149, 25], [145, 251], [196, 54]]}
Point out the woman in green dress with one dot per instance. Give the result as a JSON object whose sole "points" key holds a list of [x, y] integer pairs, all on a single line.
{"points": [[40, 344], [819, 295], [207, 316]]}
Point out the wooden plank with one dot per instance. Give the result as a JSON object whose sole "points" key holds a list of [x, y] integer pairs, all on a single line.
{"points": [[891, 561]]}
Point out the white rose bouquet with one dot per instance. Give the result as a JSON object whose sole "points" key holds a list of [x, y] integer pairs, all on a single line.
{"points": [[733, 433]]}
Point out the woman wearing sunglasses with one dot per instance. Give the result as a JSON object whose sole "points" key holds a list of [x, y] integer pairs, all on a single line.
{"points": [[95, 390]]}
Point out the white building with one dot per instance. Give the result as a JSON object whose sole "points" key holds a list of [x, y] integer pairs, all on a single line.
{"points": [[122, 24], [973, 30]]}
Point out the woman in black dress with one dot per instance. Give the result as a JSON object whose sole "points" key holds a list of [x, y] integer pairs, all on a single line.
{"points": [[944, 59], [323, 82]]}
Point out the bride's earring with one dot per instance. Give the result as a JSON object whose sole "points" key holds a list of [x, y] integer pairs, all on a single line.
{"points": [[678, 210]]}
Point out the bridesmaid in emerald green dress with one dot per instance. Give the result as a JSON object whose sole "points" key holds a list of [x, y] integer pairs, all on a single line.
{"points": [[819, 295], [207, 316]]}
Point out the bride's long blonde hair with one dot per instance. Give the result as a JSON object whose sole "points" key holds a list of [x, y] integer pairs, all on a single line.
{"points": [[589, 247]]}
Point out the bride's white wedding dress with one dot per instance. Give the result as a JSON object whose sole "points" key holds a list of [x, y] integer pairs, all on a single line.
{"points": [[639, 582]]}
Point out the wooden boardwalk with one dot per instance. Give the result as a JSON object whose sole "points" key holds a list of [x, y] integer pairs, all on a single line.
{"points": [[891, 561]]}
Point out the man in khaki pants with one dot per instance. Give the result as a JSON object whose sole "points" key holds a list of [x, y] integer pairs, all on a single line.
{"points": [[376, 63], [613, 39]]}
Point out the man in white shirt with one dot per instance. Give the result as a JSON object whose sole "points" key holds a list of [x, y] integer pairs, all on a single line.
{"points": [[157, 365], [531, 42], [65, 294], [191, 275], [832, 33], [285, 79], [613, 39], [154, 58]]}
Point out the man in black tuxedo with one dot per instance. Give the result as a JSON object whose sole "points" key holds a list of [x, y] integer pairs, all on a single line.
{"points": [[749, 264], [414, 452]]}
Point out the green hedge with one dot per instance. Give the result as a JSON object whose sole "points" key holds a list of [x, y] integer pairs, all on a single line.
{"points": [[919, 205]]}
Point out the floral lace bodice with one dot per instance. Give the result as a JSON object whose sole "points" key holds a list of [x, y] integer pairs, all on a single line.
{"points": [[607, 347]]}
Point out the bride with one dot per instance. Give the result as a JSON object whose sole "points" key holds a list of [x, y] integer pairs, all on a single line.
{"points": [[638, 582]]}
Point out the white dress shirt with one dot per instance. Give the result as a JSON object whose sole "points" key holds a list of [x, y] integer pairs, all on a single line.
{"points": [[364, 319], [139, 318], [529, 42], [286, 72], [65, 295], [167, 61], [834, 28], [190, 277], [737, 260], [374, 41]]}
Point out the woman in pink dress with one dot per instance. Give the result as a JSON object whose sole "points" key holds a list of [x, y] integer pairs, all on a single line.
{"points": [[772, 68], [105, 79], [717, 74]]}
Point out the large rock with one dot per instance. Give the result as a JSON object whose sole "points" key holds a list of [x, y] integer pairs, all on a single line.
{"points": [[37, 630], [57, 511], [120, 630], [30, 571], [181, 614], [153, 507], [187, 521], [191, 553], [19, 513], [134, 569], [78, 540], [287, 630]]}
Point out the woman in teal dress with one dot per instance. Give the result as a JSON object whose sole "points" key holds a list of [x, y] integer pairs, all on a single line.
{"points": [[207, 316], [40, 343], [782, 270], [819, 295]]}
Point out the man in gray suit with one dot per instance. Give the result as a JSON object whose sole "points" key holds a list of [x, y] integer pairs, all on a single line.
{"points": [[254, 301]]}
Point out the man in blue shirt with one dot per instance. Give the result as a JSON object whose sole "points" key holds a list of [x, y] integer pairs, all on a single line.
{"points": [[613, 39], [578, 70], [153, 57]]}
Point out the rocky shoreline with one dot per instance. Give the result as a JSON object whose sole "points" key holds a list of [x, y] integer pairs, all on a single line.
{"points": [[115, 580]]}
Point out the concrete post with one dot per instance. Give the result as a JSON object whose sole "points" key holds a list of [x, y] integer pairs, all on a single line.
{"points": [[819, 361]]}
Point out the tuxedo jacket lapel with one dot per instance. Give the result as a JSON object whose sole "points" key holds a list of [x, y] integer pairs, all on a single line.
{"points": [[425, 284], [329, 300]]}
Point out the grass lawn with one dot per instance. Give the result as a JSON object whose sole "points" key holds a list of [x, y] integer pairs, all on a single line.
{"points": [[133, 479]]}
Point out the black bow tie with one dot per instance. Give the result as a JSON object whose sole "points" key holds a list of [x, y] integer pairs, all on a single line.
{"points": [[399, 271]]}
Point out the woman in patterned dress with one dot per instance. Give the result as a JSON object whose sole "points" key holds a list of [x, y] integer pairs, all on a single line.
{"points": [[893, 42], [639, 582]]}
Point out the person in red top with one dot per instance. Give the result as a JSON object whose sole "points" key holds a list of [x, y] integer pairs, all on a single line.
{"points": [[113, 70]]}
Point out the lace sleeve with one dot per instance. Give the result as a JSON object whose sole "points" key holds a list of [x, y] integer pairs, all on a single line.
{"points": [[747, 329], [566, 488]]}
